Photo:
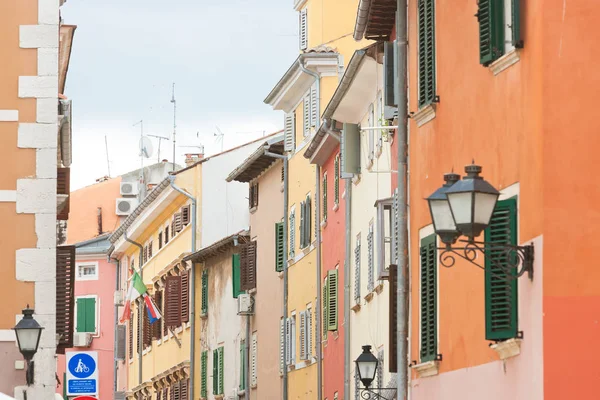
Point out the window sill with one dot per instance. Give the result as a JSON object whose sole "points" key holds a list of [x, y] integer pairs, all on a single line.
{"points": [[280, 274], [378, 150], [253, 209], [369, 296], [241, 393], [379, 288], [424, 115], [253, 386], [429, 368], [370, 162], [355, 307], [252, 291], [282, 188], [510, 58], [324, 224], [219, 396], [355, 180], [336, 206], [204, 316], [508, 348]]}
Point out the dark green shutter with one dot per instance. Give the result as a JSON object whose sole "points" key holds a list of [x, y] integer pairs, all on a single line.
{"points": [[428, 254], [221, 371], [204, 292], [332, 300], [279, 242], [491, 30], [242, 366], [515, 25], [204, 372], [501, 300], [427, 90], [235, 265], [215, 379]]}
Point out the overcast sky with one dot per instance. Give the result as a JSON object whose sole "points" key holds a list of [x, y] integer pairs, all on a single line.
{"points": [[224, 57]]}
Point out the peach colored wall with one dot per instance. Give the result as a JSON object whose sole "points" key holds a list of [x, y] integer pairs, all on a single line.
{"points": [[83, 216], [269, 287]]}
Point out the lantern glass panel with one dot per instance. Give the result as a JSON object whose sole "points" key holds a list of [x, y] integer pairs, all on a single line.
{"points": [[367, 369], [484, 207], [28, 339], [442, 215], [462, 207]]}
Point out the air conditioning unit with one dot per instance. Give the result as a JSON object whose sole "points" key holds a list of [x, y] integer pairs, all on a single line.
{"points": [[119, 297], [129, 188], [126, 206], [245, 304], [82, 339]]}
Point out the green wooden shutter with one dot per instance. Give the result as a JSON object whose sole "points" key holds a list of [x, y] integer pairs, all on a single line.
{"points": [[427, 89], [325, 308], [221, 371], [204, 372], [332, 300], [235, 265], [81, 315], [428, 254], [336, 180], [491, 30], [204, 292], [515, 24], [279, 242], [215, 380], [86, 315], [242, 365], [501, 301]]}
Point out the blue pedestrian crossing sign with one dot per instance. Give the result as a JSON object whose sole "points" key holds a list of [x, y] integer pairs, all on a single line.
{"points": [[82, 373]]}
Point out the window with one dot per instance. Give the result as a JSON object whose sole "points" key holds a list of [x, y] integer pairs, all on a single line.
{"points": [[235, 265], [167, 234], [150, 250], [185, 296], [204, 374], [306, 334], [501, 299], [427, 71], [290, 135], [357, 270], [314, 107], [332, 300], [428, 257], [303, 29], [177, 224], [157, 325], [172, 317], [305, 222], [325, 305], [204, 307], [282, 347], [242, 365], [324, 200], [253, 195], [160, 240], [292, 232], [253, 361], [218, 371], [279, 251], [371, 132], [499, 28], [306, 111], [371, 272], [87, 271], [336, 180], [185, 215], [85, 309], [379, 377], [290, 337], [248, 266]]}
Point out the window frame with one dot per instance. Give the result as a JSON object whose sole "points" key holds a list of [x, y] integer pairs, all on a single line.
{"points": [[95, 277], [96, 333]]}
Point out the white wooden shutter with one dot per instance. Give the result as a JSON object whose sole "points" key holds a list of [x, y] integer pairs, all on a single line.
{"points": [[371, 278], [303, 335], [290, 132], [380, 369], [396, 227], [281, 347], [379, 115], [303, 29], [314, 108], [253, 355], [292, 233], [357, 270], [307, 113], [371, 132], [288, 341], [309, 334], [293, 340]]}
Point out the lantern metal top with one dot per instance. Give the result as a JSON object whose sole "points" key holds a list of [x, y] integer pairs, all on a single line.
{"points": [[449, 180], [27, 322], [472, 182]]}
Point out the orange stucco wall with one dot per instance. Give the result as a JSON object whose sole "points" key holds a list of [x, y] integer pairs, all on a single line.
{"points": [[83, 217]]}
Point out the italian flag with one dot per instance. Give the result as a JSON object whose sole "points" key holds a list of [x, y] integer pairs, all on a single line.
{"points": [[137, 289]]}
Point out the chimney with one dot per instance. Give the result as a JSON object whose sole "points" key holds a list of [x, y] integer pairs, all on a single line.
{"points": [[193, 158]]}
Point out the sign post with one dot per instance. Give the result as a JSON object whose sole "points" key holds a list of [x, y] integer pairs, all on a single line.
{"points": [[82, 373]]}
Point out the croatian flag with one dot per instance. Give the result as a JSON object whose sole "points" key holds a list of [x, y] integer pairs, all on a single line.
{"points": [[137, 289]]}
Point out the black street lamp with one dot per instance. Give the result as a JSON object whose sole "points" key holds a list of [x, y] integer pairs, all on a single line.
{"points": [[465, 207], [366, 365], [28, 333]]}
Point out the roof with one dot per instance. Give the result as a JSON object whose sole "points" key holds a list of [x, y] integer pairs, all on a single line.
{"points": [[64, 56], [258, 161], [375, 19], [219, 247], [97, 245]]}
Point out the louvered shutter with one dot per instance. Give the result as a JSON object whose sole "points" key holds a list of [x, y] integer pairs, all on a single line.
{"points": [[235, 265], [336, 180], [185, 296], [185, 215], [279, 251], [393, 318], [176, 388], [172, 391], [302, 229], [149, 250], [178, 222], [147, 330], [427, 72], [371, 261], [157, 325], [63, 187], [491, 30], [140, 327], [288, 341], [160, 240], [302, 335], [215, 380], [303, 25], [515, 25], [308, 222], [145, 255], [501, 295], [332, 298], [396, 227], [380, 369], [130, 328], [428, 298], [306, 113], [221, 371], [165, 393], [164, 310], [255, 201], [293, 340], [204, 375], [325, 318], [248, 266], [314, 106], [242, 365], [65, 306], [357, 271], [290, 134], [389, 74], [325, 205], [309, 333], [204, 310], [121, 342], [292, 234], [173, 301], [185, 389], [282, 354], [253, 361]]}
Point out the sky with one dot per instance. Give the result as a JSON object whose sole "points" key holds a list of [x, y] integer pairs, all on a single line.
{"points": [[224, 57]]}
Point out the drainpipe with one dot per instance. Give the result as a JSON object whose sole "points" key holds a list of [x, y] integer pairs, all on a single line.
{"points": [[348, 256], [285, 264], [193, 287], [117, 287], [318, 307], [140, 316], [402, 295], [247, 360]]}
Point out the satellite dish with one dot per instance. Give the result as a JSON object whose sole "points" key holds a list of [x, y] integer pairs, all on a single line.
{"points": [[146, 147]]}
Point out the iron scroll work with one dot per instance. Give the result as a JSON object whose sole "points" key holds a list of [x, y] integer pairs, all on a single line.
{"points": [[513, 261], [375, 393]]}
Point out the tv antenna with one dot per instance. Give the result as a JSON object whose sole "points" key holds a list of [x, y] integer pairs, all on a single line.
{"points": [[107, 159], [174, 123], [219, 137], [160, 139], [142, 190]]}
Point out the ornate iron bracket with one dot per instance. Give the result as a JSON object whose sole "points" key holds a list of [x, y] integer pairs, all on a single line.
{"points": [[373, 393], [516, 260]]}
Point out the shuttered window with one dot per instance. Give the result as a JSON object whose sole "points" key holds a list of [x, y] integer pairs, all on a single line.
{"points": [[306, 113], [63, 186], [501, 295], [215, 370], [185, 215], [290, 132], [336, 180], [515, 23], [150, 250], [160, 240], [86, 314], [325, 204], [309, 333], [253, 361], [167, 235], [314, 107], [184, 387], [253, 195], [491, 30], [371, 261], [292, 233], [428, 257], [121, 342], [392, 318], [173, 301], [242, 365], [279, 242], [177, 222], [281, 345], [157, 325], [325, 302], [204, 305], [332, 300], [147, 334], [65, 304], [427, 87], [303, 335], [204, 374], [235, 266], [221, 371], [303, 29], [305, 222], [357, 270], [130, 329], [248, 266], [185, 296]]}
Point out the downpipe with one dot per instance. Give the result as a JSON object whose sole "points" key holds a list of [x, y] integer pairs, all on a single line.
{"points": [[116, 323], [318, 307], [348, 257], [140, 315]]}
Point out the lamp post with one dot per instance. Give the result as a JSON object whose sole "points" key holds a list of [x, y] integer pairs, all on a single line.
{"points": [[465, 207], [366, 365], [28, 333]]}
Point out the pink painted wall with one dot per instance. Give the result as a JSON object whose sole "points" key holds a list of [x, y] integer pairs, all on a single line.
{"points": [[333, 252], [103, 343]]}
